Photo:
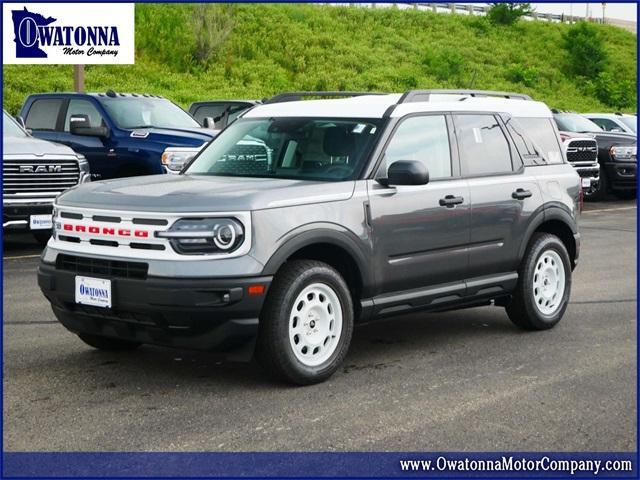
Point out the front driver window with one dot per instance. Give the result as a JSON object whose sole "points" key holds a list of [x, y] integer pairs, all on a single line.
{"points": [[424, 139]]}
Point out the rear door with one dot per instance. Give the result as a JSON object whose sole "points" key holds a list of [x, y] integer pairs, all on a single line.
{"points": [[503, 195], [419, 237], [44, 117]]}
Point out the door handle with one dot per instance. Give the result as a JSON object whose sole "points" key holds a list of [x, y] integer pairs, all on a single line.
{"points": [[521, 194], [450, 201]]}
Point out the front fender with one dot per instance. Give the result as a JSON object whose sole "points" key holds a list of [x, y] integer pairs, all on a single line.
{"points": [[325, 233]]}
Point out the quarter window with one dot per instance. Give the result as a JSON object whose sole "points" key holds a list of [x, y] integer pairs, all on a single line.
{"points": [[541, 131], [424, 139], [82, 107], [483, 147], [43, 114]]}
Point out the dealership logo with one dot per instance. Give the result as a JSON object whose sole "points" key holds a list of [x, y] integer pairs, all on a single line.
{"points": [[34, 33], [67, 33]]}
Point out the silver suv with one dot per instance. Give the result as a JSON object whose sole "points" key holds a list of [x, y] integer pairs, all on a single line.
{"points": [[304, 218]]}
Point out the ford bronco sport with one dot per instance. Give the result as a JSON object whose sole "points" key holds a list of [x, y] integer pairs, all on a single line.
{"points": [[304, 218]]}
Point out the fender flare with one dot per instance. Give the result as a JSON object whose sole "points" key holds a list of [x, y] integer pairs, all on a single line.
{"points": [[327, 234], [554, 211]]}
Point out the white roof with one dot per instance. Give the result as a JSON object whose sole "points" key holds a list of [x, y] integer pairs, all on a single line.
{"points": [[374, 106]]}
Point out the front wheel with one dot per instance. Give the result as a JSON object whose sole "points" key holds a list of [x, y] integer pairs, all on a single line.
{"points": [[41, 236], [306, 323], [544, 284]]}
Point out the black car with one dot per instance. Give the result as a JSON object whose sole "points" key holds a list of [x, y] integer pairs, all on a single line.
{"points": [[616, 155]]}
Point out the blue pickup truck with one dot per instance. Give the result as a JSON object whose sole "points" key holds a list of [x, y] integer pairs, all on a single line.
{"points": [[121, 135]]}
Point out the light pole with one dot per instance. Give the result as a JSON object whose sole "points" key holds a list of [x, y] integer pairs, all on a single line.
{"points": [[604, 5]]}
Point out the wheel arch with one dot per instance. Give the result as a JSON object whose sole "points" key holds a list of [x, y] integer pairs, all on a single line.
{"points": [[334, 247], [556, 220]]}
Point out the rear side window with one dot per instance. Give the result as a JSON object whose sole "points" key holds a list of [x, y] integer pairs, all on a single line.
{"points": [[216, 111], [606, 124], [484, 149], [425, 139], [43, 114], [541, 131]]}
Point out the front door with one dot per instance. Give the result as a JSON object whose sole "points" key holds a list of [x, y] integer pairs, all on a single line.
{"points": [[420, 233], [98, 151]]}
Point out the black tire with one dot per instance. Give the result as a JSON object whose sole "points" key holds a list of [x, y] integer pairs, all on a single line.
{"points": [[108, 343], [41, 236], [601, 192], [273, 349], [523, 310]]}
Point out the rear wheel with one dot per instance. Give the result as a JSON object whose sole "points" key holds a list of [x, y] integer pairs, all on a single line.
{"points": [[544, 284], [306, 323], [107, 343]]}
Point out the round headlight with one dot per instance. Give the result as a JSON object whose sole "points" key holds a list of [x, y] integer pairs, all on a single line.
{"points": [[225, 237]]}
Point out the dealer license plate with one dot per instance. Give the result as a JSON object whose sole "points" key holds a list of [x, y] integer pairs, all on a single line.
{"points": [[93, 291]]}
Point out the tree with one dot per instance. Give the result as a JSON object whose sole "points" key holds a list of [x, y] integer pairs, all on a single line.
{"points": [[508, 13], [585, 48]]}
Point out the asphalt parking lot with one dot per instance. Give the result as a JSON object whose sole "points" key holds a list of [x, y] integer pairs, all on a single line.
{"points": [[466, 380]]}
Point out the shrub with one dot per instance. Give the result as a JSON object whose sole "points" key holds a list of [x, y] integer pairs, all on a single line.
{"points": [[527, 76], [585, 48], [508, 13], [617, 93], [212, 26]]}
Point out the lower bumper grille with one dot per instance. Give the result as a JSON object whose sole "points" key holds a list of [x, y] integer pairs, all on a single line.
{"points": [[95, 266]]}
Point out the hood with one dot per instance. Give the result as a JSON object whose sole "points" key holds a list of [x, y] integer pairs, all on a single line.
{"points": [[200, 193], [177, 137], [33, 146], [605, 137]]}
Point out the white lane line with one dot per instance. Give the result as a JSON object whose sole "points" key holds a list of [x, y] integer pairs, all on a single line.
{"points": [[609, 210], [21, 256]]}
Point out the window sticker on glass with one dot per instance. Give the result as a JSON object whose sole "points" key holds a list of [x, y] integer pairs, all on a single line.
{"points": [[477, 135], [359, 128]]}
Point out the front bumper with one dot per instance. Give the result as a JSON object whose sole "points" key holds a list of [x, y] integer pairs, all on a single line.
{"points": [[16, 216], [621, 175], [213, 314]]}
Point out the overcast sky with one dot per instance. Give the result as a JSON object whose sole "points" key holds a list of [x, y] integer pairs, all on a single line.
{"points": [[624, 11]]}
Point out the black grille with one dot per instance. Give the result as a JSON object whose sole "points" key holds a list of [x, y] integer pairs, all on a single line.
{"points": [[108, 268], [49, 176], [582, 151]]}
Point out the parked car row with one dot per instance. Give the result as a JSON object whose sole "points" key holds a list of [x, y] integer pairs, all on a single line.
{"points": [[59, 137]]}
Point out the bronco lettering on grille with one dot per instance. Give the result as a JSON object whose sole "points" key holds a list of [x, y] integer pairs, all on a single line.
{"points": [[108, 231]]}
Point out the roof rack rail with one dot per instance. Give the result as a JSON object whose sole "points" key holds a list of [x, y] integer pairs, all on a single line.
{"points": [[295, 96], [423, 95]]}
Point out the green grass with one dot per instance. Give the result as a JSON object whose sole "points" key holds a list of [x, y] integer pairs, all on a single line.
{"points": [[277, 47]]}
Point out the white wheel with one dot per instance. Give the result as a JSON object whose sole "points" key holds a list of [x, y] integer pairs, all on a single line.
{"points": [[315, 324], [548, 282]]}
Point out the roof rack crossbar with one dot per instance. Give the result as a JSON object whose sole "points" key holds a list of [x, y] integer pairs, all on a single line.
{"points": [[295, 96], [423, 95]]}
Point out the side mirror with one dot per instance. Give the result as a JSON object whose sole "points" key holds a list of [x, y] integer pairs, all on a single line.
{"points": [[208, 122], [20, 120], [80, 125], [406, 172]]}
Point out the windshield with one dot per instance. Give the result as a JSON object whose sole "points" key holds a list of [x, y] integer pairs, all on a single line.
{"points": [[631, 122], [297, 148], [143, 112], [10, 127], [572, 122]]}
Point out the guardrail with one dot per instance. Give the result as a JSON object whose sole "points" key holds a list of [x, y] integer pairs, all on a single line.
{"points": [[474, 9]]}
